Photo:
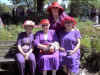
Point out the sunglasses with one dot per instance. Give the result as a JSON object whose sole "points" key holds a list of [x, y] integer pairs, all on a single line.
{"points": [[55, 7]]}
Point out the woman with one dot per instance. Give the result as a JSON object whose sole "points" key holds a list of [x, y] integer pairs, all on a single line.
{"points": [[70, 44], [56, 15], [25, 48], [46, 41]]}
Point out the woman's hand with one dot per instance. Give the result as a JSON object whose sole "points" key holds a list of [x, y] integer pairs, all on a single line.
{"points": [[51, 49], [26, 56], [62, 49], [42, 46], [70, 52]]}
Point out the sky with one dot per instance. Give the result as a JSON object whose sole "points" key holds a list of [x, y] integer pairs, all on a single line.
{"points": [[6, 2]]}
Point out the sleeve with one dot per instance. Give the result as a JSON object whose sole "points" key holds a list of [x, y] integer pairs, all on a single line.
{"points": [[78, 35], [55, 38], [37, 39], [33, 40], [19, 39]]}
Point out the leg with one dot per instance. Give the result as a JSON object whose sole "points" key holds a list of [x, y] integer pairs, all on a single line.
{"points": [[65, 69], [68, 72], [54, 72], [44, 72], [21, 62], [72, 73], [32, 63]]}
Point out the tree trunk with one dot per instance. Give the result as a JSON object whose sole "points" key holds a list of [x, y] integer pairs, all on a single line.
{"points": [[40, 4]]}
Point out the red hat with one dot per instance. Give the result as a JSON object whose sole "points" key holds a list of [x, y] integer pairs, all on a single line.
{"points": [[68, 18], [55, 4], [28, 23], [44, 21]]}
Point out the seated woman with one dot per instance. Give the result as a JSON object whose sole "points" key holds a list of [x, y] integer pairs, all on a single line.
{"points": [[70, 44], [25, 48], [46, 41]]}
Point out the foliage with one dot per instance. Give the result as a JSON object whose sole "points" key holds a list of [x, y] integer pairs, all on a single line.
{"points": [[11, 32], [4, 8], [88, 32], [95, 3], [37, 4], [82, 7]]}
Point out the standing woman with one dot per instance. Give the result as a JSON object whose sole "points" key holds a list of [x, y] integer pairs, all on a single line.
{"points": [[70, 44], [56, 15], [25, 48], [46, 41]]}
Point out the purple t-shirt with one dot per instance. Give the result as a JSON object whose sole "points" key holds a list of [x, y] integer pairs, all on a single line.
{"points": [[56, 25], [68, 40], [25, 41], [39, 39]]}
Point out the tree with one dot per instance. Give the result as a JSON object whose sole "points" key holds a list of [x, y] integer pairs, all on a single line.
{"points": [[4, 8], [77, 6], [38, 4]]}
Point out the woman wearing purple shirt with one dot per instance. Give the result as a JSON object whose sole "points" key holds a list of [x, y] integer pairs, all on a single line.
{"points": [[70, 44], [56, 15], [25, 48], [46, 41]]}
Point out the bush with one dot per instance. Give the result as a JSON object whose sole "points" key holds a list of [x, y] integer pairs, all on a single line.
{"points": [[11, 32], [88, 31]]}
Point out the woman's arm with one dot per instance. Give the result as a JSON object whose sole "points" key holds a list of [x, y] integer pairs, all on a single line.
{"points": [[21, 50], [30, 51], [76, 48], [41, 46]]}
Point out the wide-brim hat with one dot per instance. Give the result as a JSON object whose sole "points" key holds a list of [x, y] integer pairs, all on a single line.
{"points": [[69, 19], [29, 23], [53, 5], [44, 21]]}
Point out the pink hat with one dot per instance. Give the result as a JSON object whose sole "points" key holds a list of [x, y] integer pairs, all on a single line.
{"points": [[29, 23]]}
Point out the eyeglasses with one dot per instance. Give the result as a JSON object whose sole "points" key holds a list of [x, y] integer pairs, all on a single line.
{"points": [[68, 22], [45, 24]]}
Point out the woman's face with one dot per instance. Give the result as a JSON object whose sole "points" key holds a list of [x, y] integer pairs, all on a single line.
{"points": [[28, 29], [68, 24], [55, 11], [45, 27]]}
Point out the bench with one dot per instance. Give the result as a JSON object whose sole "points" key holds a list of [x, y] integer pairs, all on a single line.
{"points": [[7, 55]]}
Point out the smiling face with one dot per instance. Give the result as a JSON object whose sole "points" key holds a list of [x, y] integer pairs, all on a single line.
{"points": [[55, 11], [28, 29], [68, 24], [45, 27]]}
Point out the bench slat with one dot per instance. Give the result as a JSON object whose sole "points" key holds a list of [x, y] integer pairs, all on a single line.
{"points": [[7, 43], [2, 70], [2, 59]]}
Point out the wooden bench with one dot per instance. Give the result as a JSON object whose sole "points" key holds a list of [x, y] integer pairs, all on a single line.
{"points": [[7, 55]]}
